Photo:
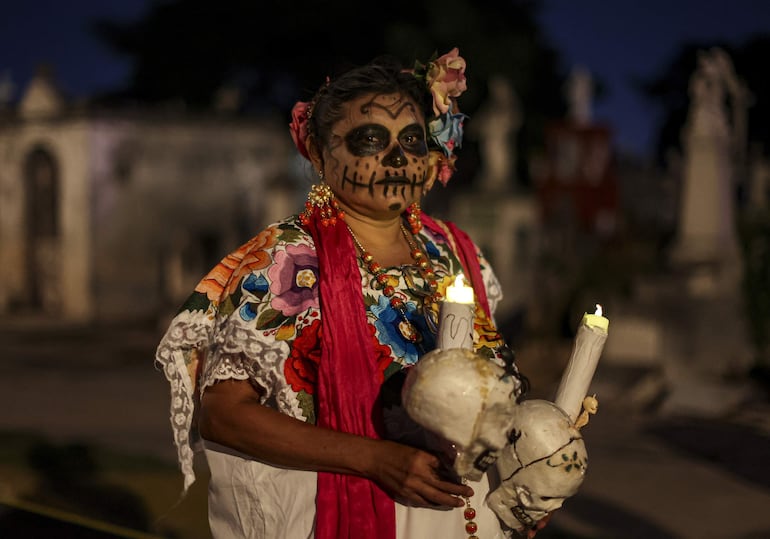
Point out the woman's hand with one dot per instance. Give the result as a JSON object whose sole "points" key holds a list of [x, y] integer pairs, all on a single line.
{"points": [[411, 476], [231, 415]]}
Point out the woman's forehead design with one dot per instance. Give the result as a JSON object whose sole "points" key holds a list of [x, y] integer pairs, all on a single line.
{"points": [[393, 105]]}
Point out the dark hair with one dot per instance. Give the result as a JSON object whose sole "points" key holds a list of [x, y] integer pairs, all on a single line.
{"points": [[384, 75]]}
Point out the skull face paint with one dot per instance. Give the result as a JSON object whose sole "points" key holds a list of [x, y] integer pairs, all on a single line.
{"points": [[377, 159]]}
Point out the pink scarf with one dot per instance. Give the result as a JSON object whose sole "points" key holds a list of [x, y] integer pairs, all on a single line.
{"points": [[465, 250], [350, 507]]}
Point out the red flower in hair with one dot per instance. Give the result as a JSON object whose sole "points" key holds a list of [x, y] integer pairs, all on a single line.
{"points": [[298, 126]]}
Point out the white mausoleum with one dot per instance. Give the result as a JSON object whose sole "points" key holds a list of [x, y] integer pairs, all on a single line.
{"points": [[110, 215]]}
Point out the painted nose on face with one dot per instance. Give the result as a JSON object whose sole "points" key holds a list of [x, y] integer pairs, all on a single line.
{"points": [[395, 158]]}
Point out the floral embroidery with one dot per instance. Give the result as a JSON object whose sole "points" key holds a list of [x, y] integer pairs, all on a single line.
{"points": [[301, 367], [387, 324], [256, 286], [225, 277], [485, 334], [431, 249], [293, 280], [269, 329], [383, 355]]}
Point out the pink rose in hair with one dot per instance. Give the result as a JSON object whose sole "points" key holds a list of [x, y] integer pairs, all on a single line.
{"points": [[446, 79], [446, 171], [298, 126]]}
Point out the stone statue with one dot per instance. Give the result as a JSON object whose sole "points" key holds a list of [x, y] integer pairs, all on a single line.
{"points": [[713, 87], [708, 117], [706, 231], [701, 365]]}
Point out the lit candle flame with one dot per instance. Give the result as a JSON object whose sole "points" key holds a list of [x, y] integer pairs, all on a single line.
{"points": [[459, 292], [598, 311]]}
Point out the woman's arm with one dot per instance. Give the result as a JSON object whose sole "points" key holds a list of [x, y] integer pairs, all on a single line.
{"points": [[231, 415]]}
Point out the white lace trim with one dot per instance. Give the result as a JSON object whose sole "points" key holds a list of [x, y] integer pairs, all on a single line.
{"points": [[241, 352], [224, 367], [187, 331]]}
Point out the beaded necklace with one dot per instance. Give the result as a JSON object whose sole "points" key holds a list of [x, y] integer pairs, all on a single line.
{"points": [[422, 261], [469, 513], [405, 327]]}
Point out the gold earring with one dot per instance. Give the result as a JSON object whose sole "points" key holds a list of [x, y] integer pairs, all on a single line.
{"points": [[413, 216], [321, 200]]}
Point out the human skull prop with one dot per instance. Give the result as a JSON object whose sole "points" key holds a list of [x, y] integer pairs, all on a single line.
{"points": [[543, 465], [467, 400]]}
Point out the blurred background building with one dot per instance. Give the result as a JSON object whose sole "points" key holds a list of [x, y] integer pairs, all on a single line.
{"points": [[613, 154], [113, 215]]}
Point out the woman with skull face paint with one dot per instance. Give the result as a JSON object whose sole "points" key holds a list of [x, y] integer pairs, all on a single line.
{"points": [[287, 351]]}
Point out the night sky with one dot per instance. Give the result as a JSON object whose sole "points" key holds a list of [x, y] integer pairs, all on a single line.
{"points": [[627, 40], [619, 42]]}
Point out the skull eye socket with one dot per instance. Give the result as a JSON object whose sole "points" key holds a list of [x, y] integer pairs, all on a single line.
{"points": [[366, 140], [412, 139]]}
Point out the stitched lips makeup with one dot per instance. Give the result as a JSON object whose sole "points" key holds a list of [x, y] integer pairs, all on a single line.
{"points": [[390, 184]]}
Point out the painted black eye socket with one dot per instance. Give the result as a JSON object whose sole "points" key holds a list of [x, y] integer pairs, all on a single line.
{"points": [[412, 139], [368, 139]]}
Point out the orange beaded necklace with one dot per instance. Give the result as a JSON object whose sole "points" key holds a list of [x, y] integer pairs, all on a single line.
{"points": [[422, 261]]}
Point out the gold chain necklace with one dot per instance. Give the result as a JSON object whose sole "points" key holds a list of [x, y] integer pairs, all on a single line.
{"points": [[422, 261], [406, 327]]}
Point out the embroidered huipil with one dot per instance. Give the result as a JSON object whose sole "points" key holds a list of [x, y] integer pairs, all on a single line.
{"points": [[256, 316]]}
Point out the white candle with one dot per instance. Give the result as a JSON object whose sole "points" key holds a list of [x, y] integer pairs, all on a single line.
{"points": [[455, 328], [588, 346]]}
